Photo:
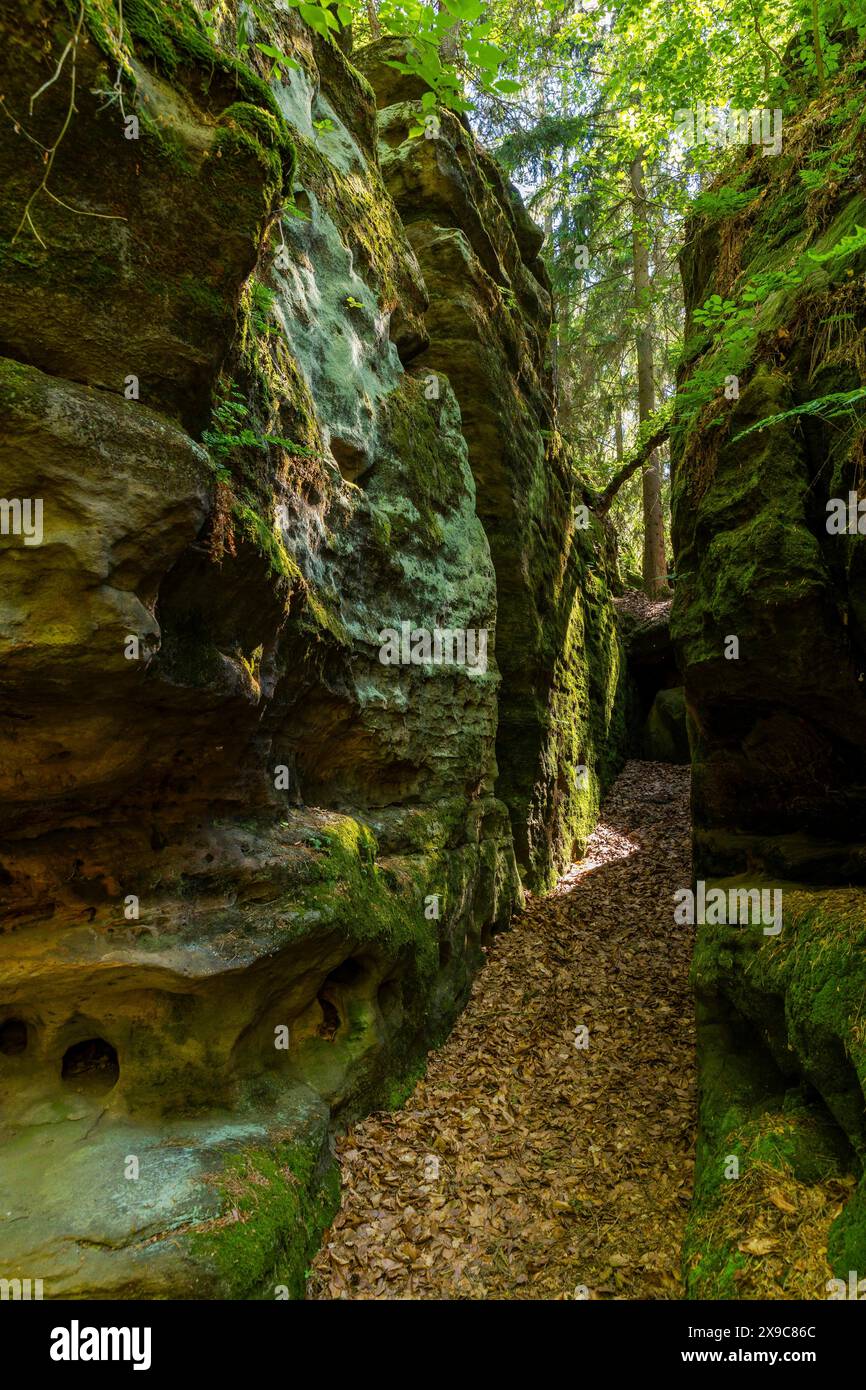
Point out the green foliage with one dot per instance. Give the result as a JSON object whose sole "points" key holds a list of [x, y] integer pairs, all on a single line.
{"points": [[846, 246], [827, 166], [715, 312], [261, 303], [232, 429], [734, 325], [722, 202], [829, 407]]}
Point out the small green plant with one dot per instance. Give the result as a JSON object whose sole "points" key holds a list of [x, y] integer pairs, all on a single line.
{"points": [[830, 407], [353, 303], [714, 312], [324, 126], [724, 202], [261, 303], [231, 429], [733, 324], [823, 173], [244, 36], [760, 287], [211, 26], [280, 59], [854, 241], [426, 121]]}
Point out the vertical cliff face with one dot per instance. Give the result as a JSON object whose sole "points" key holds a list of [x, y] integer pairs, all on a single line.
{"points": [[300, 501], [768, 621], [563, 697]]}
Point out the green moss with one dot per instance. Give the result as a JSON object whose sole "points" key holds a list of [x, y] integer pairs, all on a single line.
{"points": [[276, 1202], [359, 202], [779, 1138], [367, 903], [233, 139], [171, 34], [321, 616], [399, 1091], [380, 524], [434, 485], [846, 1245], [817, 967], [266, 540], [587, 714], [267, 135], [205, 299], [800, 994]]}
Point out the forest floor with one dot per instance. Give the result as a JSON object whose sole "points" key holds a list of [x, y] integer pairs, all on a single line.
{"points": [[524, 1165]]}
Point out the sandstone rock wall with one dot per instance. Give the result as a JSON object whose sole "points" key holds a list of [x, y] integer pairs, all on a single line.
{"points": [[563, 702], [777, 719], [247, 869]]}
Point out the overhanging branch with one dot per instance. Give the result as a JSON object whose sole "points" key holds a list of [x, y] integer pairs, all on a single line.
{"points": [[651, 434]]}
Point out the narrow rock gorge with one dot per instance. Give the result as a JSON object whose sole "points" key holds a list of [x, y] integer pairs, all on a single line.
{"points": [[321, 662]]}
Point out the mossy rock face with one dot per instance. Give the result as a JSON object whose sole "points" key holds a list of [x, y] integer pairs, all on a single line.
{"points": [[135, 271], [782, 1072], [288, 854], [251, 860], [780, 723], [772, 652], [563, 703]]}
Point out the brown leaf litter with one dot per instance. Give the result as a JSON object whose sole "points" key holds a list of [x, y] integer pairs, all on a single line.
{"points": [[525, 1165]]}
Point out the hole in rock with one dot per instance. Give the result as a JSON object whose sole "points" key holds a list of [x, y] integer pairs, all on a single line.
{"points": [[13, 1036], [351, 460], [347, 973], [301, 200], [330, 1018], [91, 1065]]}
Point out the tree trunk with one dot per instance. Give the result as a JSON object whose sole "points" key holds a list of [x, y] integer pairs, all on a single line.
{"points": [[449, 44], [373, 17], [654, 564]]}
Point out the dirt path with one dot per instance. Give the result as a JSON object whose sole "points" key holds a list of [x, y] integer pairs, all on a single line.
{"points": [[559, 1168]]}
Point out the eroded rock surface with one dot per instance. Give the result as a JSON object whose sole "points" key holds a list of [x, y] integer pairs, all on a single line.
{"points": [[248, 869], [563, 702], [767, 621]]}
